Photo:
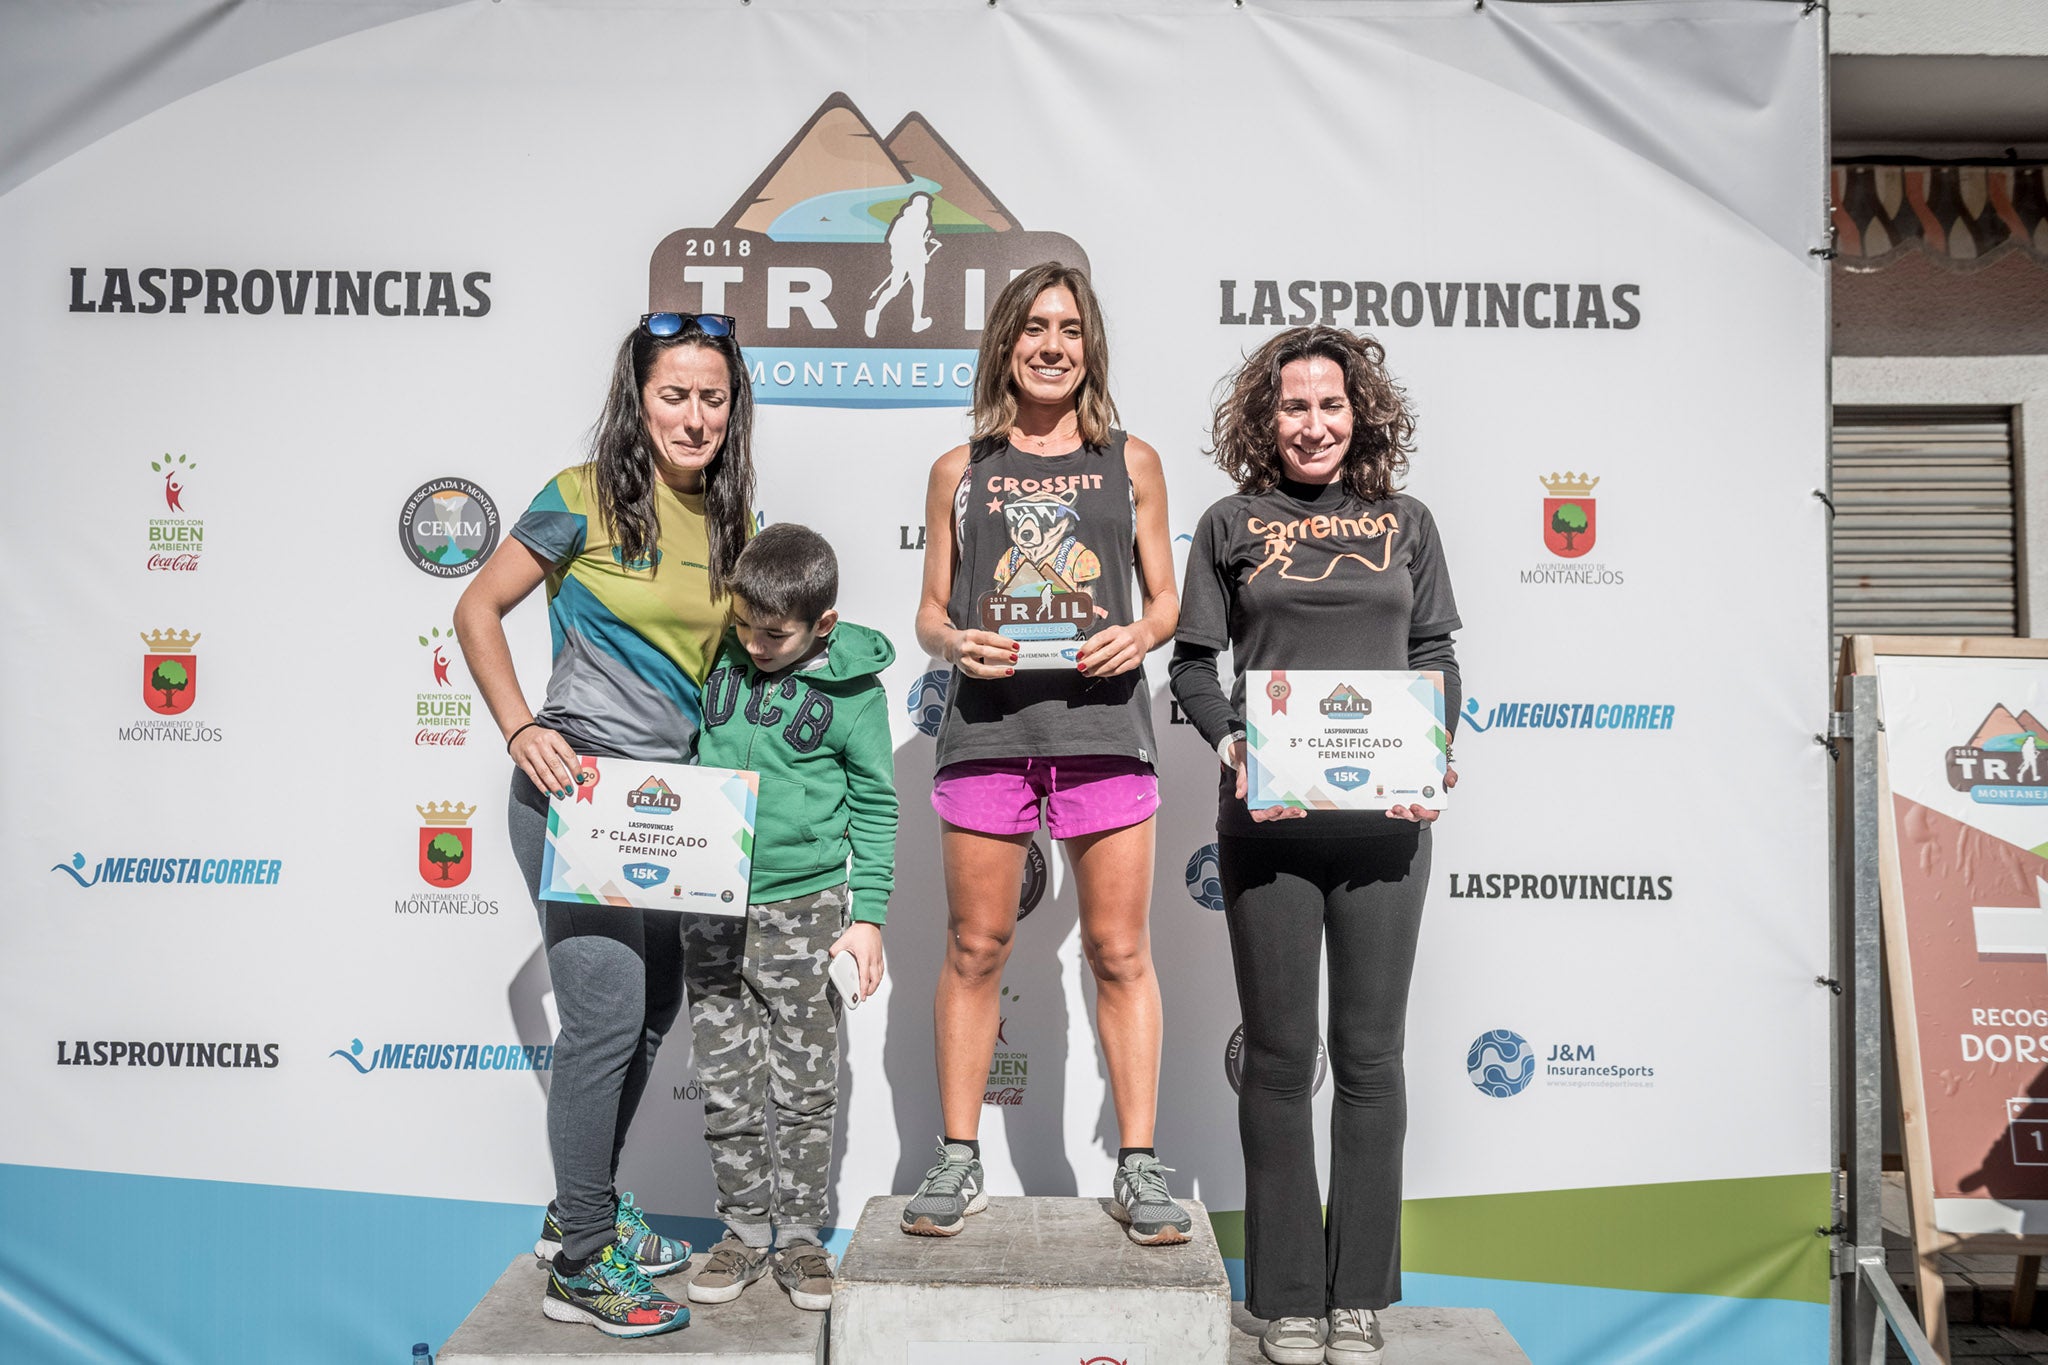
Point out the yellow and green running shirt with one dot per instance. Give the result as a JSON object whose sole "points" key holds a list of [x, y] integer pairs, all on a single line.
{"points": [[632, 641]]}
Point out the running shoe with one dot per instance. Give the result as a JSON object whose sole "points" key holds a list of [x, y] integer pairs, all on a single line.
{"points": [[613, 1296], [653, 1253], [1294, 1341], [1354, 1337], [805, 1270], [1139, 1199], [949, 1192], [731, 1267]]}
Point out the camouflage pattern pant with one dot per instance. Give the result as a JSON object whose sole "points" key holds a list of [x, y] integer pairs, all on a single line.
{"points": [[765, 1029]]}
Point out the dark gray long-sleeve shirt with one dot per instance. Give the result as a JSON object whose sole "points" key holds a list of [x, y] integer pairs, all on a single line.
{"points": [[1309, 577]]}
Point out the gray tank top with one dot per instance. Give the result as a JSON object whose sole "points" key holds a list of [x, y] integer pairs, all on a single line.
{"points": [[1037, 529]]}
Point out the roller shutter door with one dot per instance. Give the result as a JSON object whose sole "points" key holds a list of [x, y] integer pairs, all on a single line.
{"points": [[1924, 526]]}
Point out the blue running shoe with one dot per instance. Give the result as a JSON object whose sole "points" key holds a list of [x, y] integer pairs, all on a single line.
{"points": [[655, 1254]]}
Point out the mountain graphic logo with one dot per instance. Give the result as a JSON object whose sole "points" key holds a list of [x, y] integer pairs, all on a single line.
{"points": [[654, 797], [858, 265], [1346, 702], [2002, 765]]}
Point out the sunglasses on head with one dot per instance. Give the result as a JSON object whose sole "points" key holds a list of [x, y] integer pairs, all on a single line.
{"points": [[674, 324]]}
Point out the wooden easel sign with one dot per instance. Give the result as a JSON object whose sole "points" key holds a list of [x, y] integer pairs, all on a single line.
{"points": [[1963, 838]]}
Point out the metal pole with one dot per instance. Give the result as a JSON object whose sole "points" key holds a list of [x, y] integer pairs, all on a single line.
{"points": [[1863, 1341], [1868, 1290]]}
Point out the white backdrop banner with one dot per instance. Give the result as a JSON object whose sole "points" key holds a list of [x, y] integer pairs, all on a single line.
{"points": [[292, 345]]}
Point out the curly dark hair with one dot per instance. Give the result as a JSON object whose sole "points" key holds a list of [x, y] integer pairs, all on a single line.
{"points": [[1383, 432]]}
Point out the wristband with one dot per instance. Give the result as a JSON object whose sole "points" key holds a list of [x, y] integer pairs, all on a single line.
{"points": [[517, 733], [1223, 746]]}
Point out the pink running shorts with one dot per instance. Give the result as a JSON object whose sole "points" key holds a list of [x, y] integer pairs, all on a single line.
{"points": [[1083, 794]]}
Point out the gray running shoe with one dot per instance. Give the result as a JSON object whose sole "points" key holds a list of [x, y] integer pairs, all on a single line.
{"points": [[805, 1270], [1294, 1341], [949, 1192], [731, 1267], [1354, 1337], [1139, 1199]]}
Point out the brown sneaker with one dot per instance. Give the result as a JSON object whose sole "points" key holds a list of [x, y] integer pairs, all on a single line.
{"points": [[731, 1266], [805, 1270]]}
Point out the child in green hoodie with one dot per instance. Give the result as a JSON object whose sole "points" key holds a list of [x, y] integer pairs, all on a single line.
{"points": [[794, 696]]}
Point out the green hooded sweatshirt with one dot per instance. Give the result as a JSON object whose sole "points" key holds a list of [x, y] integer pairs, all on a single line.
{"points": [[818, 735]]}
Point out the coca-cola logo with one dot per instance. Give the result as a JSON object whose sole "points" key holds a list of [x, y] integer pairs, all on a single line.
{"points": [[177, 538], [1008, 1095], [443, 710]]}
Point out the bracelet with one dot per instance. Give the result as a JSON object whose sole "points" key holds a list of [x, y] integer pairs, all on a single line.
{"points": [[517, 733]]}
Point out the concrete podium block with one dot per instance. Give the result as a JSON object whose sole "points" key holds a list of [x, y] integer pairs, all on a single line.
{"points": [[1415, 1336], [1028, 1282], [760, 1327]]}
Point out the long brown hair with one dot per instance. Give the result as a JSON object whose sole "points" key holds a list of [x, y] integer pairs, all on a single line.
{"points": [[623, 460], [1246, 446], [995, 401]]}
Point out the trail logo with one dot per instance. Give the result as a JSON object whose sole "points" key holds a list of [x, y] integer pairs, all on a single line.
{"points": [[1009, 1070], [445, 844], [444, 715], [653, 797], [1233, 1062], [170, 673], [1205, 877], [175, 541], [1346, 703], [2001, 765], [858, 266], [448, 527], [1569, 529]]}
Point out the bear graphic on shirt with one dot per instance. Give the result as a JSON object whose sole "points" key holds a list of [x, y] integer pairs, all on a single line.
{"points": [[1042, 579]]}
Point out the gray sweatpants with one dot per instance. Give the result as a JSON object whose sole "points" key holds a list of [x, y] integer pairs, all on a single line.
{"points": [[618, 979], [766, 1031]]}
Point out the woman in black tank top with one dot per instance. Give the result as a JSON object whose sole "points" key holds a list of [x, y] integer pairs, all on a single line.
{"points": [[1031, 600]]}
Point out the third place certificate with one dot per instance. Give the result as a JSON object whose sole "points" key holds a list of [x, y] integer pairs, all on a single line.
{"points": [[1332, 739]]}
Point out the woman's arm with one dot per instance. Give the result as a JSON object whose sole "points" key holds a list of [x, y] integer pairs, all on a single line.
{"points": [[1119, 649], [1199, 690], [507, 579], [977, 653]]}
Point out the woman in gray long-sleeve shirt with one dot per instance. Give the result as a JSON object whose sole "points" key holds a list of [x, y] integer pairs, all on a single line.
{"points": [[1316, 562]]}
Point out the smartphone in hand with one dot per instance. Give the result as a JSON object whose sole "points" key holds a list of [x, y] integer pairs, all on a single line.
{"points": [[845, 975]]}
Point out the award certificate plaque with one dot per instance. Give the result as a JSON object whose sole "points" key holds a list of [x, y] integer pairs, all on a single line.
{"points": [[660, 836], [1333, 739]]}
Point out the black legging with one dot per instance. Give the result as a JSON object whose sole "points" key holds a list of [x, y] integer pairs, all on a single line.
{"points": [[1284, 898]]}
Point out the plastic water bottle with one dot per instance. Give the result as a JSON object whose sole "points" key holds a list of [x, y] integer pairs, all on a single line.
{"points": [[421, 1355]]}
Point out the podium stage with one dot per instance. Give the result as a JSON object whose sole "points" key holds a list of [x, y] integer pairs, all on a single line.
{"points": [[760, 1327], [1029, 1282]]}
